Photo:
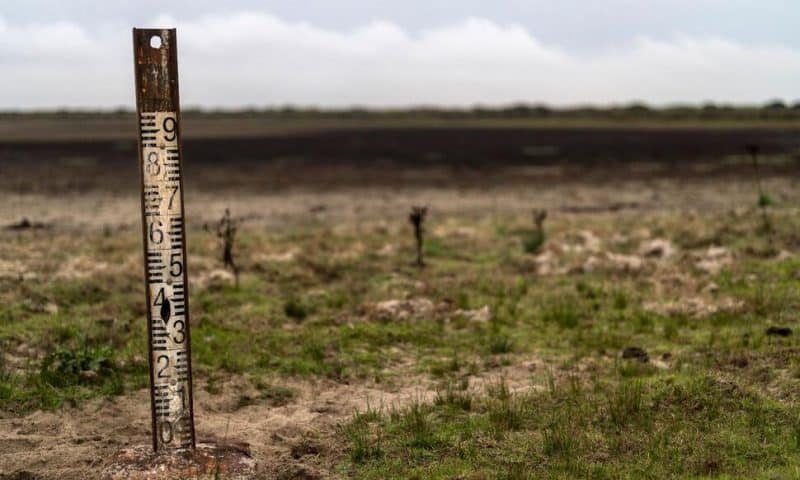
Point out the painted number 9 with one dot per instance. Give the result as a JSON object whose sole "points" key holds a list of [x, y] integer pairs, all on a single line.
{"points": [[169, 129]]}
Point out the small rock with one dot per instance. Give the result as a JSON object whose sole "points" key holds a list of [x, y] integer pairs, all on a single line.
{"points": [[218, 277], [714, 260], [592, 264], [625, 263], [305, 447], [635, 353], [716, 252], [657, 248], [779, 331], [298, 472], [283, 257], [589, 240], [25, 224], [480, 315], [711, 288], [20, 475], [546, 263], [107, 322], [403, 309], [740, 361]]}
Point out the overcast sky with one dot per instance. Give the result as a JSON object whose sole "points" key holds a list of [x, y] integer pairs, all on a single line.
{"points": [[235, 53]]}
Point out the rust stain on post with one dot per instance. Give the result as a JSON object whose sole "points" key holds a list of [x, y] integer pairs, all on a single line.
{"points": [[166, 278], [156, 71]]}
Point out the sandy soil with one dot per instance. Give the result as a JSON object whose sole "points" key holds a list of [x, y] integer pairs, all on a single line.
{"points": [[100, 209], [295, 441]]}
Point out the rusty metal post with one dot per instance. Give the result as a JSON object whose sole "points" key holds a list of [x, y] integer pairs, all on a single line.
{"points": [[158, 107]]}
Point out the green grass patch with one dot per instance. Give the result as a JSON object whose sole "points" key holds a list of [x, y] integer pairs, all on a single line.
{"points": [[674, 426]]}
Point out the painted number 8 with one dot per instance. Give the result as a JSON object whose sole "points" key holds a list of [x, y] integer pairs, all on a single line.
{"points": [[153, 167]]}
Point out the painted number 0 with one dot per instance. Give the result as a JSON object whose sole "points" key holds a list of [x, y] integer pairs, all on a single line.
{"points": [[165, 430]]}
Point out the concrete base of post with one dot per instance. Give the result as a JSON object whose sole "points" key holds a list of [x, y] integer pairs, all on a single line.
{"points": [[207, 461]]}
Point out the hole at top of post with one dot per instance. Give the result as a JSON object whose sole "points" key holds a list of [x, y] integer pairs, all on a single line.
{"points": [[155, 41]]}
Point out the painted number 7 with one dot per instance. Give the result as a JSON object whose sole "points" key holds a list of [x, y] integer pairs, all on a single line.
{"points": [[174, 189]]}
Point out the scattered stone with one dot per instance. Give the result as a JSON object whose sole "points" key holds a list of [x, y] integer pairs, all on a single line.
{"points": [[19, 475], [481, 315], [779, 331], [635, 353], [612, 207], [207, 461], [215, 278], [304, 448], [449, 230], [403, 309], [25, 224], [624, 263], [657, 248], [612, 262], [695, 307], [711, 288], [298, 472], [716, 252], [81, 267], [740, 361], [619, 239], [589, 241], [282, 257], [713, 260], [14, 270], [326, 406], [592, 264], [547, 264]]}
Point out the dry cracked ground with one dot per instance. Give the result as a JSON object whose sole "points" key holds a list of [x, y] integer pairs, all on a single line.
{"points": [[649, 331]]}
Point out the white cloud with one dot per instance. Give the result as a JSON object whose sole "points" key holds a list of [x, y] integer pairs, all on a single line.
{"points": [[255, 59]]}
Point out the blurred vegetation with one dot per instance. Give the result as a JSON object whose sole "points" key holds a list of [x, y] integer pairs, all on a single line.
{"points": [[775, 110]]}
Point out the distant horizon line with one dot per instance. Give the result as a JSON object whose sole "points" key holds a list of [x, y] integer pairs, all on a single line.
{"points": [[533, 107]]}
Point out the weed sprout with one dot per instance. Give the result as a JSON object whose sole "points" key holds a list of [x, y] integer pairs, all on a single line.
{"points": [[533, 240], [417, 219], [226, 232], [764, 200]]}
